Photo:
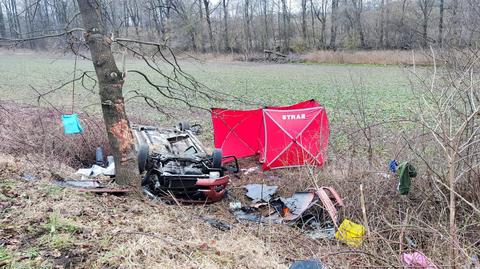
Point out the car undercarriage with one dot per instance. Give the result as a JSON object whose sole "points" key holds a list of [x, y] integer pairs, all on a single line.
{"points": [[176, 165]]}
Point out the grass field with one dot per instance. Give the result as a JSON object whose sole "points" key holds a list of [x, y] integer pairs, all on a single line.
{"points": [[385, 88]]}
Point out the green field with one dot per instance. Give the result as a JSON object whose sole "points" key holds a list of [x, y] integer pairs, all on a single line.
{"points": [[385, 89]]}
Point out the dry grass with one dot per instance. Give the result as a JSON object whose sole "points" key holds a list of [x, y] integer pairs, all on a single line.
{"points": [[94, 231], [376, 57], [380, 57]]}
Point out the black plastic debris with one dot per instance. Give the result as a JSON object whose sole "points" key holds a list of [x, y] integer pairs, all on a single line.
{"points": [[219, 224], [306, 264], [260, 192]]}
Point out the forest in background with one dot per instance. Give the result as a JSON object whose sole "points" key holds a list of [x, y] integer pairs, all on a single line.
{"points": [[245, 26]]}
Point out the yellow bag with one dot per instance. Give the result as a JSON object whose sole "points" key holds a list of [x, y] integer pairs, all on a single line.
{"points": [[350, 233]]}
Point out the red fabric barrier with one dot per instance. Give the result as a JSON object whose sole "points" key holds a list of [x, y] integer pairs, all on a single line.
{"points": [[283, 136], [237, 132], [294, 137]]}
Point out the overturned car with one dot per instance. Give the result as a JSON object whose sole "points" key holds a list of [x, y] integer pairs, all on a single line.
{"points": [[176, 165]]}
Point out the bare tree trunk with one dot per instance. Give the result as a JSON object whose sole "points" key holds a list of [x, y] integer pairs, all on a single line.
{"points": [[425, 32], [440, 24], [110, 81], [3, 31], [321, 15], [13, 21], [225, 25], [156, 19], [304, 22], [29, 23], [312, 13], [246, 15], [206, 3], [333, 28], [126, 19], [426, 9], [455, 23], [386, 26], [61, 12], [46, 17], [358, 9], [381, 40], [266, 44], [200, 26], [322, 34], [286, 34]]}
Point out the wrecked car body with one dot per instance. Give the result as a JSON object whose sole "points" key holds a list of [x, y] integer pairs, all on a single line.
{"points": [[177, 166]]}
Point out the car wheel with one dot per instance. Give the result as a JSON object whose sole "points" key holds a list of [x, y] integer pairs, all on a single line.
{"points": [[217, 158], [142, 156]]}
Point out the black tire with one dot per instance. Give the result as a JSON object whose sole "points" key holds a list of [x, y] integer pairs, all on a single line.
{"points": [[142, 156], [183, 126], [217, 158]]}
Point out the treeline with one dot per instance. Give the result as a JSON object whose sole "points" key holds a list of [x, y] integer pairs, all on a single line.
{"points": [[244, 26]]}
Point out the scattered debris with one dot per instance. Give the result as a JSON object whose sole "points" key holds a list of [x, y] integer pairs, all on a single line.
{"points": [[392, 166], [219, 224], [405, 172], [271, 55], [326, 233], [350, 233], [260, 192], [99, 157], [71, 124], [418, 260], [250, 170], [385, 175], [88, 184], [306, 264], [28, 177], [96, 170], [314, 211], [410, 242], [243, 214], [297, 204], [94, 186], [235, 205], [475, 262], [107, 190]]}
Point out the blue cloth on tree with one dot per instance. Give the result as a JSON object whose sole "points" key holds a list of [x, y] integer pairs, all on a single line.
{"points": [[71, 124], [392, 166]]}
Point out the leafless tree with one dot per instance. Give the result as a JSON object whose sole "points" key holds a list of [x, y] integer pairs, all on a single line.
{"points": [[425, 7], [333, 27], [256, 25]]}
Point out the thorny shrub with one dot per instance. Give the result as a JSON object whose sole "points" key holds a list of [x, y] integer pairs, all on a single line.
{"points": [[29, 129], [448, 99]]}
